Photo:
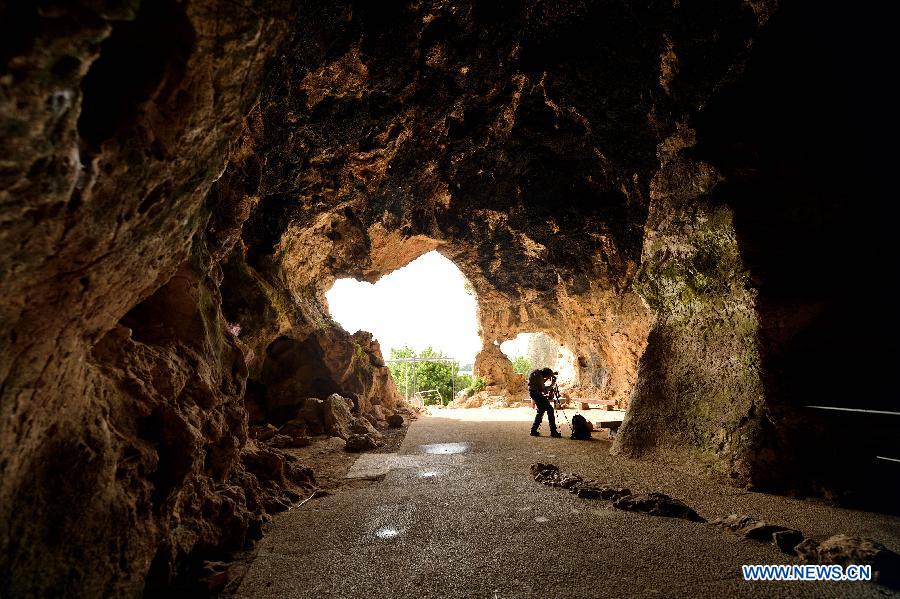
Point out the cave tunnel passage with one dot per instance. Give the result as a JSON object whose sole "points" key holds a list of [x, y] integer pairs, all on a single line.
{"points": [[538, 350], [424, 309]]}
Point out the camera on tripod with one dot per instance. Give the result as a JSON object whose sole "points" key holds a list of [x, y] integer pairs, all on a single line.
{"points": [[554, 389]]}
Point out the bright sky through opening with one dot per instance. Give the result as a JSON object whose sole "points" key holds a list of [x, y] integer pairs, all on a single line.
{"points": [[424, 303]]}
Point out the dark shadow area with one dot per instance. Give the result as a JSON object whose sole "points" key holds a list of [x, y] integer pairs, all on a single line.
{"points": [[137, 58], [267, 223], [293, 371], [806, 141]]}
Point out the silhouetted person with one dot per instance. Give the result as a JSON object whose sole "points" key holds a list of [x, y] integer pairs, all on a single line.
{"points": [[537, 389]]}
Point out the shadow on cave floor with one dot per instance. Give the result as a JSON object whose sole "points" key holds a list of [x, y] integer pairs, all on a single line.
{"points": [[474, 523]]}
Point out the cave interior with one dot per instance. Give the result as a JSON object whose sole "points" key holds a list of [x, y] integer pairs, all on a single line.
{"points": [[692, 197]]}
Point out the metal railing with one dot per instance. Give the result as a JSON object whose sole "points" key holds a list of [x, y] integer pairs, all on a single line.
{"points": [[434, 394], [863, 413], [415, 362]]}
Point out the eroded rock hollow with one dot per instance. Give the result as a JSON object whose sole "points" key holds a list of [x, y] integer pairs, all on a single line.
{"points": [[685, 194]]}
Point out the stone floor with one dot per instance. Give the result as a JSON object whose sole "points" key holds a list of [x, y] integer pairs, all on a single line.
{"points": [[455, 514]]}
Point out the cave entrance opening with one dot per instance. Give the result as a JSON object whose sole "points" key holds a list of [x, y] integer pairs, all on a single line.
{"points": [[527, 351], [424, 317]]}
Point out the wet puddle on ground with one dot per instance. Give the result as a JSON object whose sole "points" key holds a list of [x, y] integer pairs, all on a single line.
{"points": [[386, 532], [444, 448]]}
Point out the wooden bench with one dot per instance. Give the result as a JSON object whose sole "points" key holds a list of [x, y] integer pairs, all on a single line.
{"points": [[586, 403], [611, 425]]}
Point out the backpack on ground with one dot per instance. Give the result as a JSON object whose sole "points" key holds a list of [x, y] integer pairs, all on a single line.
{"points": [[580, 429]]}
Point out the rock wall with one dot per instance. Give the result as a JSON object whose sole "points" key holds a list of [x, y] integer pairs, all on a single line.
{"points": [[180, 182], [763, 215], [123, 442], [699, 389]]}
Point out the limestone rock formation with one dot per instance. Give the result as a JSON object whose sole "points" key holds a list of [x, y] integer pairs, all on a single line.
{"points": [[673, 189], [550, 475], [361, 442], [657, 504], [783, 537], [337, 417], [845, 550]]}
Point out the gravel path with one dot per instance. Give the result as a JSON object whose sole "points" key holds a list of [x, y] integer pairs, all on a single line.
{"points": [[466, 520]]}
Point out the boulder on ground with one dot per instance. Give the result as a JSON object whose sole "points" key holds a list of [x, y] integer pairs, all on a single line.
{"points": [[657, 504], [280, 441], [539, 469], [336, 416], [550, 475], [374, 421], [294, 427], [311, 413], [361, 426], [783, 537], [263, 433], [357, 443], [601, 492], [272, 465], [787, 540], [395, 421], [845, 550]]}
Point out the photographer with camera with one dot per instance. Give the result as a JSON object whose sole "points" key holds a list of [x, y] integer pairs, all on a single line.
{"points": [[540, 395]]}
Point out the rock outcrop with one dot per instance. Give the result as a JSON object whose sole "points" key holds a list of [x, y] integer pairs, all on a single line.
{"points": [[782, 537], [182, 181], [657, 504], [844, 550]]}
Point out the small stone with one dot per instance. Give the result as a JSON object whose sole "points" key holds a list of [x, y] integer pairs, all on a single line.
{"points": [[294, 424], [734, 522], [588, 492], [263, 433], [280, 441], [585, 405], [300, 441], [787, 540], [361, 426], [761, 531], [783, 537], [357, 443], [215, 575], [395, 421], [657, 504], [845, 550], [538, 467], [568, 481], [600, 492]]}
